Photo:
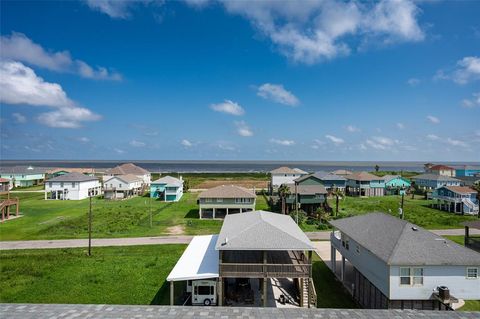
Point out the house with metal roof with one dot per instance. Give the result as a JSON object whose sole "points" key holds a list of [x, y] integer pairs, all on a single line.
{"points": [[72, 186], [129, 168], [329, 180], [434, 181], [394, 184], [122, 186], [218, 202], [456, 199], [255, 258], [342, 172], [443, 170], [57, 171], [23, 176], [394, 264], [167, 188], [284, 175], [364, 184]]}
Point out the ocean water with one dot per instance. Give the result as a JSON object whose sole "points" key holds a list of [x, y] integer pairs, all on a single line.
{"points": [[234, 166]]}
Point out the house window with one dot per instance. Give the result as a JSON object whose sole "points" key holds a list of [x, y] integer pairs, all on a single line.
{"points": [[357, 249], [73, 184], [472, 273], [61, 184], [50, 184], [208, 200], [120, 185], [242, 200], [219, 200], [418, 276], [405, 276]]}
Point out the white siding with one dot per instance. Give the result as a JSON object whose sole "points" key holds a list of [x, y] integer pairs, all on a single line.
{"points": [[120, 185], [454, 277], [75, 192], [279, 179]]}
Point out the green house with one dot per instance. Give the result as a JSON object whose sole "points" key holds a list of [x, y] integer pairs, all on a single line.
{"points": [[309, 192], [23, 176], [395, 184]]}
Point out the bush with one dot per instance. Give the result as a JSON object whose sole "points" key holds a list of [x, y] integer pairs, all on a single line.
{"points": [[302, 216], [323, 227]]}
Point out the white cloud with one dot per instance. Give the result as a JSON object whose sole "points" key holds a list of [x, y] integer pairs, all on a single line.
{"points": [[20, 85], [282, 142], [334, 139], [380, 142], [277, 93], [19, 118], [19, 47], [352, 128], [401, 126], [433, 119], [432, 137], [243, 129], [119, 151], [225, 146], [228, 107], [468, 69], [117, 9], [320, 30], [473, 102], [136, 143], [455, 142], [413, 81], [83, 139], [186, 143]]}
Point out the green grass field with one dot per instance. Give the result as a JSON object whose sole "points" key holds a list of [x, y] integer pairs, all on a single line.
{"points": [[129, 218], [416, 210], [195, 179], [115, 275], [112, 275]]}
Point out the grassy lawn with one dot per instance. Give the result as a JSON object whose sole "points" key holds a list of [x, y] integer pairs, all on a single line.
{"points": [[129, 218], [330, 292], [196, 179], [113, 275], [471, 305], [416, 210]]}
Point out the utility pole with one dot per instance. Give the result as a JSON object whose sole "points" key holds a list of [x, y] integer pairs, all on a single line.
{"points": [[150, 211], [90, 227], [296, 201]]}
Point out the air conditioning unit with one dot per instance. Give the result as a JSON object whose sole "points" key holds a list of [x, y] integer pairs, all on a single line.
{"points": [[444, 293]]}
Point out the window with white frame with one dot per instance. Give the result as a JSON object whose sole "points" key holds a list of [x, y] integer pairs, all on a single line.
{"points": [[405, 276], [411, 276], [208, 200], [242, 200], [417, 279], [472, 272], [219, 200]]}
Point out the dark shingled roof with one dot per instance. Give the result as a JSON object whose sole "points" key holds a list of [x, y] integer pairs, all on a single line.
{"points": [[73, 177], [322, 176], [400, 243], [307, 189], [128, 168], [25, 170], [261, 230]]}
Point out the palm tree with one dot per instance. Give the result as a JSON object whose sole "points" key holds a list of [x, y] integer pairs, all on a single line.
{"points": [[377, 168], [338, 194], [283, 192]]}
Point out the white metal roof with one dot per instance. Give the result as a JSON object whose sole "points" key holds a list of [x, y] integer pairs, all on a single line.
{"points": [[199, 260]]}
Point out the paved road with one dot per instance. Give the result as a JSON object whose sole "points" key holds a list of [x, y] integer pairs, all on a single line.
{"points": [[132, 241]]}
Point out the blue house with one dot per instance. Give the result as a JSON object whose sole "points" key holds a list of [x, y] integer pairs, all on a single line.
{"points": [[456, 199], [434, 181], [328, 180], [467, 170], [168, 189]]}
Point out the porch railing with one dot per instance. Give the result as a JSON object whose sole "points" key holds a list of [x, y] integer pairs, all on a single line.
{"points": [[251, 270]]}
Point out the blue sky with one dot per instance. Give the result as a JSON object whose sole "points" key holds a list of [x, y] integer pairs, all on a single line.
{"points": [[328, 80]]}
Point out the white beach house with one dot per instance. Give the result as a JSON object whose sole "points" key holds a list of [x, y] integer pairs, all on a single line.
{"points": [[72, 186]]}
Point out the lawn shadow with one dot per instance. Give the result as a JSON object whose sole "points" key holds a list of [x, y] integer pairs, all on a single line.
{"points": [[192, 213], [162, 297]]}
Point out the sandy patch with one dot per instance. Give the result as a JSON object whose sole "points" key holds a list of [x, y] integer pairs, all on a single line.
{"points": [[176, 230]]}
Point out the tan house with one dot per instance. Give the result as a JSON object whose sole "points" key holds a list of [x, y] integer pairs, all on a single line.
{"points": [[222, 200], [129, 168], [441, 170]]}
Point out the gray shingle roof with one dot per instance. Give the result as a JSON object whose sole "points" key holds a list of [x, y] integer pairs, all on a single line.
{"points": [[435, 177], [307, 189], [401, 243], [127, 168], [342, 172], [73, 177], [169, 180], [363, 176], [127, 178], [287, 170], [326, 176], [227, 191], [24, 170], [261, 230]]}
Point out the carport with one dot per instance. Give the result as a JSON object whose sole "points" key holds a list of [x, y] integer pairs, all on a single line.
{"points": [[199, 261]]}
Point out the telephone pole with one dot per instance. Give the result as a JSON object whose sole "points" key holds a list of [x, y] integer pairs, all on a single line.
{"points": [[90, 228], [296, 201]]}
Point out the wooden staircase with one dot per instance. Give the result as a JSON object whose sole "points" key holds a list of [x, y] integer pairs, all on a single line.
{"points": [[5, 205], [306, 284]]}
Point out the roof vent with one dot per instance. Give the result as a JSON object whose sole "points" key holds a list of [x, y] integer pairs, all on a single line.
{"points": [[414, 228], [225, 242]]}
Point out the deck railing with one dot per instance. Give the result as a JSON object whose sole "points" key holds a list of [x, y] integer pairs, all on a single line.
{"points": [[251, 270]]}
